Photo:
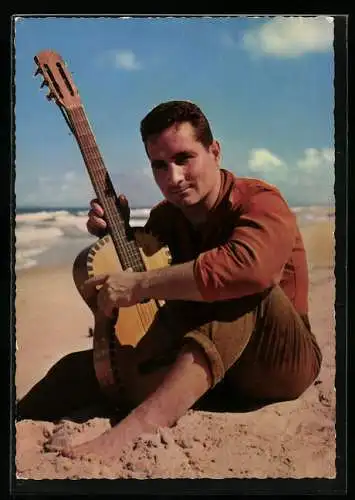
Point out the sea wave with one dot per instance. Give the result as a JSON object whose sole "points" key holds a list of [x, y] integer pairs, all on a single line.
{"points": [[37, 232], [31, 217], [42, 232]]}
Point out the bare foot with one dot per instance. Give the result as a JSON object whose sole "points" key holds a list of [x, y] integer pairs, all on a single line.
{"points": [[107, 447]]}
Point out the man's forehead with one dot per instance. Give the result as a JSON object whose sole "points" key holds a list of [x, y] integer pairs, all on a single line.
{"points": [[180, 134]]}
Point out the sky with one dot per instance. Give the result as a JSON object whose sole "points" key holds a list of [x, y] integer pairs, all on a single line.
{"points": [[265, 84]]}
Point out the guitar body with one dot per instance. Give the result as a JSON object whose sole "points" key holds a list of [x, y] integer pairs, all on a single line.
{"points": [[131, 323]]}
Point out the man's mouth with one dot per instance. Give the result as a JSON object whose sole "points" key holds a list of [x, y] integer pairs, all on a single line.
{"points": [[179, 191]]}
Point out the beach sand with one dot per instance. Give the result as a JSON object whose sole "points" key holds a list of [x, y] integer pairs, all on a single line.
{"points": [[292, 439]]}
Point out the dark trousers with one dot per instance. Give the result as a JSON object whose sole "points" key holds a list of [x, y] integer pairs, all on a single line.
{"points": [[259, 350]]}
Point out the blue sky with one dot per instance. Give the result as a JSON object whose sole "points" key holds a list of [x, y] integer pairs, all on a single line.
{"points": [[266, 85]]}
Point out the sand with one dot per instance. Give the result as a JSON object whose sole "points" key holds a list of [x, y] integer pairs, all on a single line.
{"points": [[286, 440]]}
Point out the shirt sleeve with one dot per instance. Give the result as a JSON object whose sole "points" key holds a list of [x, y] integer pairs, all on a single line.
{"points": [[254, 256]]}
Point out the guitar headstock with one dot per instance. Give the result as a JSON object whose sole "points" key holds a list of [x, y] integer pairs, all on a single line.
{"points": [[58, 79]]}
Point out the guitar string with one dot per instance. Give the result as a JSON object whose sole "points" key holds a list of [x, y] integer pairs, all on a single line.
{"points": [[130, 256], [144, 316], [130, 259], [125, 248], [95, 179], [72, 127], [146, 310], [99, 176]]}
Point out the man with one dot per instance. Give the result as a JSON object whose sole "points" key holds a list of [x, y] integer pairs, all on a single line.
{"points": [[236, 293]]}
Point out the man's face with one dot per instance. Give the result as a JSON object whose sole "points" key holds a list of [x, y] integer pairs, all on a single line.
{"points": [[183, 168]]}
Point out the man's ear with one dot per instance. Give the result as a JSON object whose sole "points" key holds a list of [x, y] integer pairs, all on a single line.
{"points": [[215, 149]]}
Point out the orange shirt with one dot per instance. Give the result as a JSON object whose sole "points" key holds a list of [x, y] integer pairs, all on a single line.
{"points": [[249, 242]]}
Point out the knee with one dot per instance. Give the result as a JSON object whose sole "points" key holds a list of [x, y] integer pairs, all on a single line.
{"points": [[294, 387]]}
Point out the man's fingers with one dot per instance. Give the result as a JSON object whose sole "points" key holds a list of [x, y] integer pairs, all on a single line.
{"points": [[105, 305], [90, 284], [123, 200], [124, 207], [97, 212], [96, 207], [96, 220]]}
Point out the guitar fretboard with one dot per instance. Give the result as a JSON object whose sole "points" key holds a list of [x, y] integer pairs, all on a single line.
{"points": [[122, 237]]}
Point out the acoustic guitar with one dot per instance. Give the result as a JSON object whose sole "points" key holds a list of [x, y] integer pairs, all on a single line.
{"points": [[121, 249]]}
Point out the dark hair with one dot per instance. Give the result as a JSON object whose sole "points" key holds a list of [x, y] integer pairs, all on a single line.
{"points": [[169, 113]]}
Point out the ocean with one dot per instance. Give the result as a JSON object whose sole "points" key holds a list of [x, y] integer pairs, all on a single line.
{"points": [[54, 236], [47, 236]]}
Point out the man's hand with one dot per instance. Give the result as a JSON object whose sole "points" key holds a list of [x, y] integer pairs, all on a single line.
{"points": [[127, 288], [96, 223], [116, 290]]}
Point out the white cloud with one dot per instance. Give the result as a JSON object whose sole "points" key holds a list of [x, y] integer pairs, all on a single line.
{"points": [[263, 160], [312, 177], [329, 155], [290, 36], [126, 59], [315, 159], [309, 179], [265, 164]]}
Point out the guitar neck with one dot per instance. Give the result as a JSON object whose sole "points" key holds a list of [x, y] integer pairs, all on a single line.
{"points": [[125, 245]]}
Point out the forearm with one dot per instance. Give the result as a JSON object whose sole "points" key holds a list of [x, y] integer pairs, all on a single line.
{"points": [[175, 282]]}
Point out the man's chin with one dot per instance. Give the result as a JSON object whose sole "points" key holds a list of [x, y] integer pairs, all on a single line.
{"points": [[185, 201]]}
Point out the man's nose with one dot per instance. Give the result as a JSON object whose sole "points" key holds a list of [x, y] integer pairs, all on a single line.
{"points": [[175, 174]]}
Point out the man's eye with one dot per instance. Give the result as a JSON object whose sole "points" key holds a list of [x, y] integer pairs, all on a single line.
{"points": [[158, 165], [182, 159]]}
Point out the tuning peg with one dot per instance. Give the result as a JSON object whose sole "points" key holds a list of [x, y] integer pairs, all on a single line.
{"points": [[38, 71], [50, 96], [44, 83]]}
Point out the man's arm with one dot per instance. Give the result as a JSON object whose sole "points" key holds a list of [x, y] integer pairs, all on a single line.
{"points": [[254, 257], [249, 262], [175, 282]]}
